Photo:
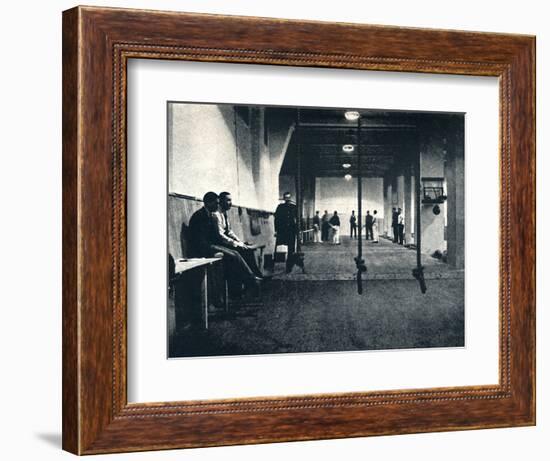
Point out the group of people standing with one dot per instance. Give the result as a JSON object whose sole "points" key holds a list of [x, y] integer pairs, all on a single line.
{"points": [[326, 228], [371, 226]]}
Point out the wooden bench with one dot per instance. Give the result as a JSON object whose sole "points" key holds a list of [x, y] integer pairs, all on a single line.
{"points": [[254, 226], [202, 264]]}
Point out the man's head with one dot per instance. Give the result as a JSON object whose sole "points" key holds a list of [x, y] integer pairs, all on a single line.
{"points": [[287, 196], [393, 209], [211, 201], [317, 212], [225, 201], [368, 212], [335, 213], [352, 212]]}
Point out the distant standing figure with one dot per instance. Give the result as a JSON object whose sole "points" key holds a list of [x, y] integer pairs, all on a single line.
{"points": [[375, 232], [286, 227], [368, 226], [316, 228], [400, 226], [334, 223], [325, 226], [353, 225], [394, 224]]}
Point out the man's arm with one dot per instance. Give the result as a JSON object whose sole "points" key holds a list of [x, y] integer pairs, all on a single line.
{"points": [[220, 232], [277, 218], [232, 234]]}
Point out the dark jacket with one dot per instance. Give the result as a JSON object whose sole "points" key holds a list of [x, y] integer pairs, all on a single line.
{"points": [[394, 218], [201, 234], [368, 220], [286, 222], [335, 220]]}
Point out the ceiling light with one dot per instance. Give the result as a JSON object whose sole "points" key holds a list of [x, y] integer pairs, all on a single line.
{"points": [[348, 148], [347, 177], [346, 165], [352, 115]]}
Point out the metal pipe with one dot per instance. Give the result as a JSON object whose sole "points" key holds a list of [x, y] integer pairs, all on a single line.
{"points": [[359, 261], [418, 271], [298, 254], [299, 200]]}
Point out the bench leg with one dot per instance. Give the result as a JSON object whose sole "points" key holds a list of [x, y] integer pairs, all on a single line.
{"points": [[204, 290]]}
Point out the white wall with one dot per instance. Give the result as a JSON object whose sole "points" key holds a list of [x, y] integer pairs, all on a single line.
{"points": [[212, 148], [337, 194], [30, 187]]}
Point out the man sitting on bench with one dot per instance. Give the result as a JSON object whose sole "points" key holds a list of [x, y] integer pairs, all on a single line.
{"points": [[228, 239], [204, 241]]}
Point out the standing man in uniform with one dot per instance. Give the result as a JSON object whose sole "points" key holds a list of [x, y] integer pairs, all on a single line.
{"points": [[334, 223], [375, 232], [368, 226], [316, 228], [325, 226], [394, 224], [286, 228], [352, 225], [400, 226]]}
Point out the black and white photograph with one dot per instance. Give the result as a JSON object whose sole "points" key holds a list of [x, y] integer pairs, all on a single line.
{"points": [[313, 229], [266, 231]]}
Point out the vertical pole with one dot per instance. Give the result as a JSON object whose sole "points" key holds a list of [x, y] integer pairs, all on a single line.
{"points": [[418, 272], [359, 191], [299, 203], [298, 254], [417, 210], [205, 295], [359, 261]]}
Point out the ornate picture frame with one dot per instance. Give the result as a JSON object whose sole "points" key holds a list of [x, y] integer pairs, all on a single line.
{"points": [[97, 44]]}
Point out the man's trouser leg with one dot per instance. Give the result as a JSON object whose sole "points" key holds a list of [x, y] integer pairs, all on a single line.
{"points": [[250, 259], [236, 268], [291, 245]]}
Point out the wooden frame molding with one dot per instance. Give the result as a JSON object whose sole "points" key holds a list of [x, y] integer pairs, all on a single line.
{"points": [[97, 43]]}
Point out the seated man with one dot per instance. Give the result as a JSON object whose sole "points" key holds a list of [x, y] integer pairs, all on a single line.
{"points": [[204, 242], [227, 238], [201, 228]]}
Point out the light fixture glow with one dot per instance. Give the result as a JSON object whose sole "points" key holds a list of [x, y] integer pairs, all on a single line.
{"points": [[346, 165], [347, 177], [348, 148], [352, 115]]}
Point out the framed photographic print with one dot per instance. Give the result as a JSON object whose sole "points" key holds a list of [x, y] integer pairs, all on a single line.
{"points": [[280, 230]]}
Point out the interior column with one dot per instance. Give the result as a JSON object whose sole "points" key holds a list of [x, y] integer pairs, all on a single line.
{"points": [[454, 175], [408, 210]]}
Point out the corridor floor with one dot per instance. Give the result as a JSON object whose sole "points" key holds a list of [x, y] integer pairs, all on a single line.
{"points": [[385, 260], [320, 311]]}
